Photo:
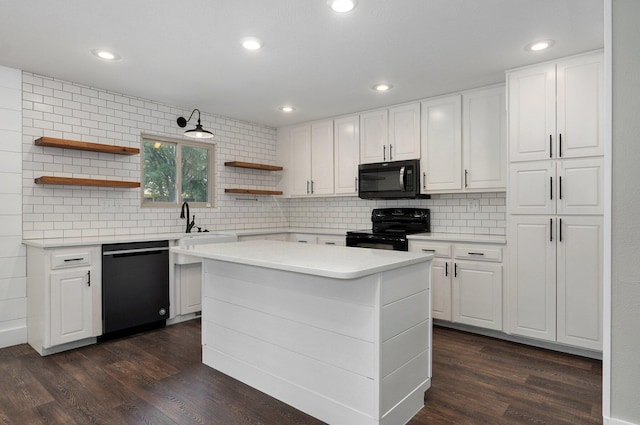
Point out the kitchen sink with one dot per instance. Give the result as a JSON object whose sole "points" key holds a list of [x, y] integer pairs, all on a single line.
{"points": [[200, 238]]}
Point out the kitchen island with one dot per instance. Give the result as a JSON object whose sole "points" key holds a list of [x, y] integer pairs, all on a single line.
{"points": [[343, 334]]}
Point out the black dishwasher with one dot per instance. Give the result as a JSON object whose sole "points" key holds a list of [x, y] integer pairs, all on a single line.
{"points": [[135, 287]]}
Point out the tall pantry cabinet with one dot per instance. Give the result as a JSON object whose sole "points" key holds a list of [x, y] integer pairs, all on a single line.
{"points": [[555, 201]]}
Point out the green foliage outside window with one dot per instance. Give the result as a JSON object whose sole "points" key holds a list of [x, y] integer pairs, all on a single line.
{"points": [[175, 172]]}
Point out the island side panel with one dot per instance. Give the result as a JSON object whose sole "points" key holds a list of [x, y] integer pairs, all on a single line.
{"points": [[405, 333], [310, 341]]}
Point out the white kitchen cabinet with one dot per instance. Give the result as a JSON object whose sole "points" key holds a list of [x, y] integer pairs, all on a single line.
{"points": [[477, 287], [71, 305], [555, 109], [189, 278], [64, 288], [555, 279], [441, 144], [466, 281], [404, 132], [374, 136], [312, 159], [579, 271], [571, 186], [347, 154], [390, 134], [484, 139]]}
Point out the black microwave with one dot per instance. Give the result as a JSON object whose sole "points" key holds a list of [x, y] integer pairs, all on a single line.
{"points": [[390, 180]]}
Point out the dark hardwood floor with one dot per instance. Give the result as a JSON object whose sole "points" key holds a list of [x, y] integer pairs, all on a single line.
{"points": [[157, 378]]}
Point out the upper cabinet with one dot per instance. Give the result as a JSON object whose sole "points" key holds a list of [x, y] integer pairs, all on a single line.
{"points": [[312, 159], [441, 144], [464, 142], [555, 109], [390, 134], [346, 145]]}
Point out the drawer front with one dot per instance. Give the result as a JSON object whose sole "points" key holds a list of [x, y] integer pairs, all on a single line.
{"points": [[70, 259], [332, 240], [435, 248], [479, 253]]}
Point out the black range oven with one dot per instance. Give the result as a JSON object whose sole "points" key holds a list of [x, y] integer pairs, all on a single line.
{"points": [[390, 228]]}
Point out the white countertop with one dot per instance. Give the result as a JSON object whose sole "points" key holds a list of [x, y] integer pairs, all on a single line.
{"points": [[321, 260]]}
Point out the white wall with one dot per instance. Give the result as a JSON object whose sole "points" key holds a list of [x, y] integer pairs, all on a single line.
{"points": [[13, 301], [625, 244], [66, 110]]}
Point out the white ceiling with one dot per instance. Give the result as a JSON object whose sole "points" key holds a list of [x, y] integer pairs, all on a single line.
{"points": [[187, 53]]}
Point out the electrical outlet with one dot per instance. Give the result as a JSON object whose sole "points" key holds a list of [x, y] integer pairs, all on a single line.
{"points": [[473, 205]]}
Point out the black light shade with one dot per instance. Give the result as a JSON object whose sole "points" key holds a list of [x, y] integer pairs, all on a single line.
{"points": [[196, 133]]}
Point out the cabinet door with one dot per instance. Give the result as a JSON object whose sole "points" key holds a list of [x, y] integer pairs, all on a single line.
{"points": [[580, 186], [532, 277], [580, 274], [477, 294], [322, 158], [404, 132], [580, 106], [484, 139], [532, 188], [190, 288], [71, 305], [532, 113], [374, 128], [441, 159], [347, 154], [300, 142], [441, 289]]}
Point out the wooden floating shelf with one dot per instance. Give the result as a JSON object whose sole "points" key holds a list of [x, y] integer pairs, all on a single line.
{"points": [[251, 165], [253, 192], [85, 182], [53, 142]]}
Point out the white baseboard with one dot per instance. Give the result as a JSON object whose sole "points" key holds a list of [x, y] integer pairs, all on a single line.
{"points": [[15, 336], [612, 421]]}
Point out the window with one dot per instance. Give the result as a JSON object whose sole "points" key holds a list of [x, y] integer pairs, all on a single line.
{"points": [[174, 171]]}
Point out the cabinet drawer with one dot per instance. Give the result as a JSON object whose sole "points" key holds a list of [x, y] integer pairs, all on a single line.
{"points": [[70, 259], [332, 240], [301, 238], [435, 248], [479, 253]]}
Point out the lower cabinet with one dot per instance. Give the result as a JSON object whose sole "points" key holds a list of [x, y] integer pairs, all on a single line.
{"points": [[466, 282], [555, 279], [64, 288], [189, 277]]}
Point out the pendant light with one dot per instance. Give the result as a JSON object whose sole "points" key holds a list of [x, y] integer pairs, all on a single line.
{"points": [[196, 133]]}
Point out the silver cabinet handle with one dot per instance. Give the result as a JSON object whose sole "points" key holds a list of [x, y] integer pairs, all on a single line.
{"points": [[402, 178], [428, 250], [312, 187], [384, 152], [424, 180], [475, 253], [89, 278], [390, 153], [307, 187], [466, 172], [329, 243], [356, 186]]}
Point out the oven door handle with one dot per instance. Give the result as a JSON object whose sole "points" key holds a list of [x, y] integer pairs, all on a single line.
{"points": [[402, 180]]}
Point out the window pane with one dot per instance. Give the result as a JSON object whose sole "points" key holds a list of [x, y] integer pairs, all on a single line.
{"points": [[159, 171], [195, 174]]}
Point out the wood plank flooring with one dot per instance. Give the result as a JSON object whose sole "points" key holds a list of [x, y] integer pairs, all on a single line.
{"points": [[157, 378]]}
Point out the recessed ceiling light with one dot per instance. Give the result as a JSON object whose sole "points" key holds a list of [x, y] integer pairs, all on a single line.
{"points": [[106, 54], [251, 43], [287, 108], [342, 6], [382, 87], [539, 45]]}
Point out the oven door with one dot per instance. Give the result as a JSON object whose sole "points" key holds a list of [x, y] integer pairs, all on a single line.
{"points": [[364, 240]]}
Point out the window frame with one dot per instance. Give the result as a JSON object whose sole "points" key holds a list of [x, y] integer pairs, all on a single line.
{"points": [[179, 143]]}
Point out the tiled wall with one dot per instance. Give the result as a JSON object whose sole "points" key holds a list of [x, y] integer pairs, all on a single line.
{"points": [[66, 110], [449, 213], [13, 287]]}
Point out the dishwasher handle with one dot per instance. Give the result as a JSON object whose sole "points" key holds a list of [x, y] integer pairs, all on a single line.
{"points": [[138, 251]]}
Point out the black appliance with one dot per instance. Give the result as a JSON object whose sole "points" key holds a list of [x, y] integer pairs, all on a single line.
{"points": [[135, 287], [390, 180], [390, 228]]}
